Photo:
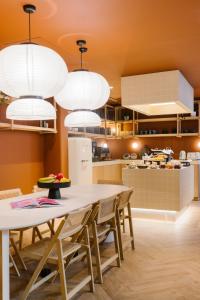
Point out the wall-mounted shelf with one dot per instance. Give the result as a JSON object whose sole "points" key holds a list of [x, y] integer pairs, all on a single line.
{"points": [[9, 126], [134, 126], [86, 134]]}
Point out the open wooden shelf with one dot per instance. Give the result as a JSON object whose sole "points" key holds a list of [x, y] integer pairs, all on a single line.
{"points": [[86, 134], [157, 135], [10, 126], [122, 132], [190, 134]]}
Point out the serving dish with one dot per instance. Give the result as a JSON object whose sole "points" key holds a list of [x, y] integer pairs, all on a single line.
{"points": [[54, 188]]}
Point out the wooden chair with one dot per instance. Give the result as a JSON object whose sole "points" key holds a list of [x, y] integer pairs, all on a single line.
{"points": [[58, 249], [10, 193], [103, 223], [123, 205], [18, 256], [5, 194]]}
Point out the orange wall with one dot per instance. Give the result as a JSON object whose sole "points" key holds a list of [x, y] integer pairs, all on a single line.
{"points": [[21, 159], [27, 156], [55, 145], [120, 146]]}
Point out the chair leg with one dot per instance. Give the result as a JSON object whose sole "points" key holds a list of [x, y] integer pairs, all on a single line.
{"points": [[21, 234], [115, 231], [89, 260], [62, 271], [38, 233], [14, 265], [123, 221], [119, 234], [51, 227], [97, 252], [18, 254], [131, 226], [33, 235], [41, 264]]}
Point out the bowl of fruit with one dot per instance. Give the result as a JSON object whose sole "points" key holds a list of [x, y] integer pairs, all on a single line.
{"points": [[54, 182]]}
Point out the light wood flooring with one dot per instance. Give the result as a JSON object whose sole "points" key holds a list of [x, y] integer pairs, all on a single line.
{"points": [[164, 266]]}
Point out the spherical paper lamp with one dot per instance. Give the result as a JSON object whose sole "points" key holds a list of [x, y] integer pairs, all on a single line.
{"points": [[31, 70], [82, 119], [30, 109], [83, 90]]}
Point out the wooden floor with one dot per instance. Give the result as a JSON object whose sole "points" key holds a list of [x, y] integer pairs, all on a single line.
{"points": [[164, 266]]}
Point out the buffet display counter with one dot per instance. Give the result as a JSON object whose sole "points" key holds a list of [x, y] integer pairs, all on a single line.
{"points": [[160, 193], [109, 171]]}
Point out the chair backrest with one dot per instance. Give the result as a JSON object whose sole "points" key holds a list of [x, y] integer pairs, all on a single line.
{"points": [[74, 222], [124, 198], [10, 193], [107, 209]]}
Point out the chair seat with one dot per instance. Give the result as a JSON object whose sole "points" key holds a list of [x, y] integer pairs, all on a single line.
{"points": [[37, 250], [101, 230]]}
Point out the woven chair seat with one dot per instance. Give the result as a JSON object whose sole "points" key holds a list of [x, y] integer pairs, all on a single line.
{"points": [[37, 250]]}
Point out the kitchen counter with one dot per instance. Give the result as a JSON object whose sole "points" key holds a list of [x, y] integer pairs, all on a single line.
{"points": [[114, 162], [109, 171], [161, 189]]}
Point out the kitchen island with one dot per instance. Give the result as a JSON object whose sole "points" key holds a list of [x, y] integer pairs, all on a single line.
{"points": [[160, 192], [109, 171]]}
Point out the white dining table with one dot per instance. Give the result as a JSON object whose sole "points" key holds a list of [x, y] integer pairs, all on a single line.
{"points": [[73, 198]]}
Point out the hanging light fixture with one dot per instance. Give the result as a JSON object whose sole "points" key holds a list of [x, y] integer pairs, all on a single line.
{"points": [[82, 118], [30, 70], [83, 89], [30, 109]]}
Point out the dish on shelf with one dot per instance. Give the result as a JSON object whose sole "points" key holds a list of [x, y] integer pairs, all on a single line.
{"points": [[132, 165], [142, 166], [153, 166], [126, 156], [133, 156], [162, 166], [178, 166], [169, 166]]}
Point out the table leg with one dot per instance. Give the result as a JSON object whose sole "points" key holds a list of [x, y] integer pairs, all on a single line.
{"points": [[4, 266]]}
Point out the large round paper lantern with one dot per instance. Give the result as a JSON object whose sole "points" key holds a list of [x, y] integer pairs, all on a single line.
{"points": [[30, 109], [82, 119], [31, 70], [83, 90]]}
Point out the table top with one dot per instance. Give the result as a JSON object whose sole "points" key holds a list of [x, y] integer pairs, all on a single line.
{"points": [[74, 198]]}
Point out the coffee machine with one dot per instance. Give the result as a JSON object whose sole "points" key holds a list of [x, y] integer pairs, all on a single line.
{"points": [[100, 153]]}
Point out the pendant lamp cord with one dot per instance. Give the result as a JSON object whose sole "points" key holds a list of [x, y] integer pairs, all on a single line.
{"points": [[82, 50], [81, 60], [29, 27]]}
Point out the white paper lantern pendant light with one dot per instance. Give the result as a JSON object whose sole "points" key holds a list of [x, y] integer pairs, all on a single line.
{"points": [[29, 71], [82, 118], [83, 89], [31, 109]]}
